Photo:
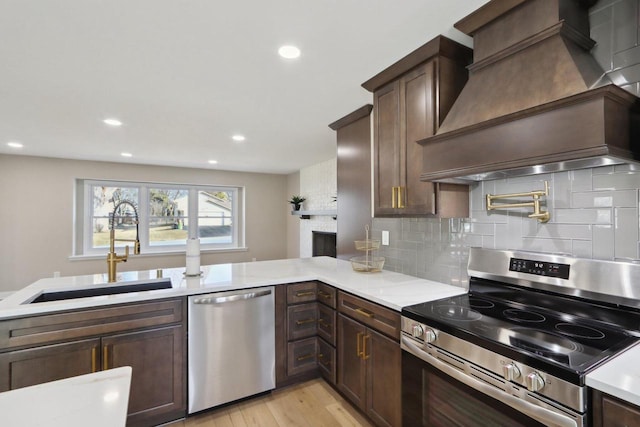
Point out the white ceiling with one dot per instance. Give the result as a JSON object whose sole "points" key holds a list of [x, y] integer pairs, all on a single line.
{"points": [[185, 75]]}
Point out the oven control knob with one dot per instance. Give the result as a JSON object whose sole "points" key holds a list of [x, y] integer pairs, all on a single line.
{"points": [[510, 372], [417, 331], [534, 382], [429, 336]]}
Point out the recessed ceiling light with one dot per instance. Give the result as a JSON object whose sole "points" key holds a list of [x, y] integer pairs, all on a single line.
{"points": [[15, 144], [289, 52], [123, 154], [112, 122], [213, 162], [238, 138]]}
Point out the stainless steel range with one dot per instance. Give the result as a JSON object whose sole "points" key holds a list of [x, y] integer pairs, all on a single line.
{"points": [[520, 343]]}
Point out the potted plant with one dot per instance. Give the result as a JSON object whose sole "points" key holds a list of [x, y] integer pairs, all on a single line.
{"points": [[296, 201]]}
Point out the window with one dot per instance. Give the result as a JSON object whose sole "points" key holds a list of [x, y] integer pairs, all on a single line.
{"points": [[168, 215]]}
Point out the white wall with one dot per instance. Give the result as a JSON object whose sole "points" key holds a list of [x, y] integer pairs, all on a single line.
{"points": [[318, 183], [36, 215], [293, 222]]}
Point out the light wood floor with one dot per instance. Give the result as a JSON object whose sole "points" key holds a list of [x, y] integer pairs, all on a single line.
{"points": [[310, 404]]}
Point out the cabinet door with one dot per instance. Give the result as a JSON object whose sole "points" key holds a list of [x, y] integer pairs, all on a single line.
{"points": [[610, 411], [302, 356], [386, 148], [39, 365], [327, 361], [158, 392], [327, 323], [384, 390], [418, 121], [351, 365], [302, 320]]}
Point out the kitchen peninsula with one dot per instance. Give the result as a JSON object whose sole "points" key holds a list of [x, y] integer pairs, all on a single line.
{"points": [[148, 329], [389, 289]]}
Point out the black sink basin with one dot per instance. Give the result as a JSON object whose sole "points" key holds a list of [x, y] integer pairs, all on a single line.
{"points": [[104, 290]]}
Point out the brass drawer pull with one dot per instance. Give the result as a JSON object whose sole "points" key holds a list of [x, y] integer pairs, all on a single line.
{"points": [[305, 321], [401, 191], [324, 323], [364, 312], [365, 356], [305, 293], [305, 357], [322, 362], [94, 359], [324, 294], [105, 357]]}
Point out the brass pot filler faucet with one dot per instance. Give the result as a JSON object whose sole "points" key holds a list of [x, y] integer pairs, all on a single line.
{"points": [[112, 258]]}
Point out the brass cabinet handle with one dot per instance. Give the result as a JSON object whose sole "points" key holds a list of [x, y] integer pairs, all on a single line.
{"points": [[365, 356], [393, 197], [358, 350], [324, 323], [322, 362], [305, 357], [401, 191], [304, 293], [323, 294], [305, 321], [364, 312], [94, 359], [105, 357]]}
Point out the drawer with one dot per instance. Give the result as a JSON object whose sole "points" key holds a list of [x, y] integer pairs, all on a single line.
{"points": [[327, 361], [327, 294], [380, 318], [51, 328], [302, 321], [327, 324], [301, 292], [302, 356]]}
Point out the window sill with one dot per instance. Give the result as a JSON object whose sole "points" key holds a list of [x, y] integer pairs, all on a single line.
{"points": [[155, 254]]}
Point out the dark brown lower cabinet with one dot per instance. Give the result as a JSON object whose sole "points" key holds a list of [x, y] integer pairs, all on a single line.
{"points": [[157, 380], [39, 365], [369, 366], [609, 411], [149, 337]]}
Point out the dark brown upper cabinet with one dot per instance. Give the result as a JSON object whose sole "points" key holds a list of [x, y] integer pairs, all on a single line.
{"points": [[411, 99]]}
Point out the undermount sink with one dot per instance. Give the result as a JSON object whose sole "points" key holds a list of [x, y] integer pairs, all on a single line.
{"points": [[116, 288]]}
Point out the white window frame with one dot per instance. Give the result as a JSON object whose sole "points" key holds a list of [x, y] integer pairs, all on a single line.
{"points": [[85, 223]]}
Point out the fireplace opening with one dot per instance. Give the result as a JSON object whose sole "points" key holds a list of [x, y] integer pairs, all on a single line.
{"points": [[324, 244]]}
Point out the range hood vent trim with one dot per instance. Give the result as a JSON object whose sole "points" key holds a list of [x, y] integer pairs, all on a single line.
{"points": [[536, 101]]}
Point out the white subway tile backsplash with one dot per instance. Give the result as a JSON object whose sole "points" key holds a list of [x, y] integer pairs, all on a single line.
{"points": [[582, 216], [582, 179], [598, 199], [603, 242], [582, 248], [626, 233], [561, 190], [617, 181]]}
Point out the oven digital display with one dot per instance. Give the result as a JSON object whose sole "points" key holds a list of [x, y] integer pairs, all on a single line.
{"points": [[540, 268]]}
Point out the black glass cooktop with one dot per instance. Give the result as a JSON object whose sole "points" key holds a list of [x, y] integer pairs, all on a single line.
{"points": [[556, 333]]}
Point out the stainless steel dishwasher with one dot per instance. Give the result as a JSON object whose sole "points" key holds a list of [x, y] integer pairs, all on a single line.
{"points": [[231, 346]]}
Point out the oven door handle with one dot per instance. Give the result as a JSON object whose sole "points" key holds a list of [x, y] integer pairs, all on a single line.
{"points": [[536, 412]]}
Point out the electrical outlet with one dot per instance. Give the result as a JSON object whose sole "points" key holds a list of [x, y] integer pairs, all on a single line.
{"points": [[385, 237]]}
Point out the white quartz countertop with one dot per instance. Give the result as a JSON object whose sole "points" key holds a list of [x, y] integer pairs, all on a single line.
{"points": [[98, 400], [619, 377], [392, 290]]}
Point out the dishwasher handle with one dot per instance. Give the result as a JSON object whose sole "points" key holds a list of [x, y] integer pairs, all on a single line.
{"points": [[212, 299]]}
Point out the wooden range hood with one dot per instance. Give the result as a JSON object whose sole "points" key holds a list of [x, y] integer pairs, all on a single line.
{"points": [[536, 100]]}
